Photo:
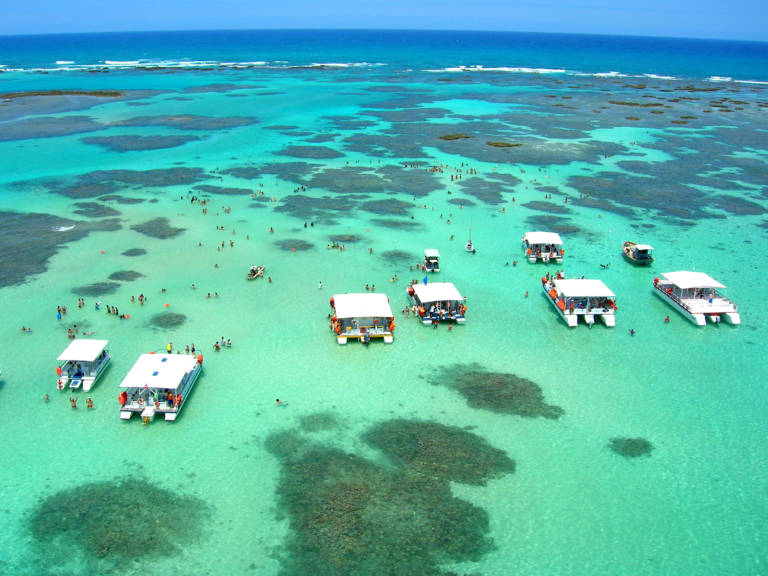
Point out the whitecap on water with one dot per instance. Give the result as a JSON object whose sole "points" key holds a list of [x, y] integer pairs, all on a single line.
{"points": [[62, 228]]}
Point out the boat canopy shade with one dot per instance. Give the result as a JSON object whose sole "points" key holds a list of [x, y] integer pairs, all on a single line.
{"points": [[362, 306], [543, 238], [431, 253], [83, 350], [643, 247], [687, 280], [159, 371], [578, 288], [437, 291]]}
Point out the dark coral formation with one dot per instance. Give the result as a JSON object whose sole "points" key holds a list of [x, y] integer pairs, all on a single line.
{"points": [[444, 452], [168, 320], [108, 182], [97, 289], [314, 152], [132, 143], [95, 210], [497, 391], [350, 516], [631, 447], [121, 199], [126, 275], [346, 238], [319, 422], [397, 256], [158, 228], [223, 191], [133, 252], [128, 519], [548, 207], [30, 240], [188, 122], [294, 245], [48, 127], [398, 224]]}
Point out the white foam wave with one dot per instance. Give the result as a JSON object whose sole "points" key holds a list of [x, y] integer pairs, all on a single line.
{"points": [[657, 77], [122, 63], [479, 68], [65, 61], [720, 79], [750, 82], [62, 228]]}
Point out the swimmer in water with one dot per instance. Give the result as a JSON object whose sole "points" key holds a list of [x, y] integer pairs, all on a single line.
{"points": [[280, 402]]}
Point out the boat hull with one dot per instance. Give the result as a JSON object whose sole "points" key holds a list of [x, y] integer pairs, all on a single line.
{"points": [[699, 317]]}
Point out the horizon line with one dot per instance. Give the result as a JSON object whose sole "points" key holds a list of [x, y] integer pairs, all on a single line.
{"points": [[379, 30]]}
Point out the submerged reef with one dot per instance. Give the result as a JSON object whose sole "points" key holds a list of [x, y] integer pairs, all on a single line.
{"points": [[314, 152], [168, 320], [496, 391], [398, 256], [97, 289], [128, 519], [30, 240], [346, 238], [133, 252], [188, 122], [294, 245], [157, 228], [223, 191], [318, 422], [95, 210], [631, 447], [351, 516], [132, 142], [126, 275], [441, 451]]}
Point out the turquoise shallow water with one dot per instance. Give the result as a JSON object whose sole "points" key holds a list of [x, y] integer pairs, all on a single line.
{"points": [[572, 507]]}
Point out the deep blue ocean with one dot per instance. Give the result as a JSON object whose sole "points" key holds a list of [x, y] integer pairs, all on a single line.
{"points": [[396, 51]]}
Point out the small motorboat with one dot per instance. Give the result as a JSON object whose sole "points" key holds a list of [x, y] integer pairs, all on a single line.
{"points": [[255, 272], [639, 254]]}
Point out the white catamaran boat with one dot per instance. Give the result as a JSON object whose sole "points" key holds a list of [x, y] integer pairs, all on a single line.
{"points": [[438, 301], [695, 295], [81, 364], [431, 260], [544, 246], [158, 384], [362, 316], [579, 297]]}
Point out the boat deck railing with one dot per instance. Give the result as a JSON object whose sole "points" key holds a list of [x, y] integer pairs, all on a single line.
{"points": [[663, 286]]}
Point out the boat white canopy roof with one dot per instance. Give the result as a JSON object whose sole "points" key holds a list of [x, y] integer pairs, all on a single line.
{"points": [[436, 291], [687, 280], [164, 371], [83, 350], [643, 247], [431, 253], [543, 238], [582, 288], [369, 305]]}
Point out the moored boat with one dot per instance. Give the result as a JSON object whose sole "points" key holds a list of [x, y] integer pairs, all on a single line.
{"points": [[362, 316], [579, 297], [81, 364], [695, 295], [431, 260], [544, 246], [158, 384], [639, 254], [255, 272], [437, 301]]}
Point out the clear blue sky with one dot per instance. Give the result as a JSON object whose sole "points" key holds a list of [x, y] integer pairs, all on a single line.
{"points": [[727, 19]]}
